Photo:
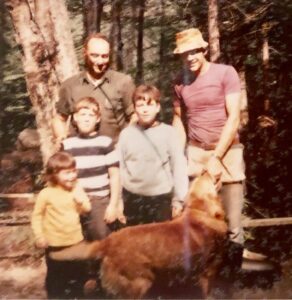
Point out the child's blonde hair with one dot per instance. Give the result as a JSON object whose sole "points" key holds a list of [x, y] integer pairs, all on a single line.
{"points": [[59, 161]]}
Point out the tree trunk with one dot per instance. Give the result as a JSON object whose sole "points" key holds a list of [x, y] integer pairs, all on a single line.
{"points": [[139, 73], [265, 57], [116, 36], [92, 15], [243, 100], [214, 42], [162, 58], [47, 53]]}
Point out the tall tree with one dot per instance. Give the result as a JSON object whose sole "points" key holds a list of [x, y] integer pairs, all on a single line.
{"points": [[243, 100], [162, 58], [214, 42], [47, 52], [92, 15], [266, 57], [140, 29], [116, 35], [265, 120]]}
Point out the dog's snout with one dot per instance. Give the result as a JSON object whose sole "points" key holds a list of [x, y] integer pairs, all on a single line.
{"points": [[219, 215], [216, 210]]}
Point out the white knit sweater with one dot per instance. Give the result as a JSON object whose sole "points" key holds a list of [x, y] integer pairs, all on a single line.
{"points": [[146, 172]]}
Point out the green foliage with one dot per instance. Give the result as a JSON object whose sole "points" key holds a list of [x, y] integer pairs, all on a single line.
{"points": [[241, 37], [15, 112]]}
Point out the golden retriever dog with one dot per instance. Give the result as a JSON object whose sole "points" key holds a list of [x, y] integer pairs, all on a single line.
{"points": [[132, 257]]}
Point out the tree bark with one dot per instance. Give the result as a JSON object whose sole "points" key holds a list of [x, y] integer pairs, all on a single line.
{"points": [[243, 100], [92, 15], [47, 53], [266, 58], [116, 36], [140, 58], [162, 59], [214, 42]]}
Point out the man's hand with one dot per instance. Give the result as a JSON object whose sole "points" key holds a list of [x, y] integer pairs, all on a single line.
{"points": [[214, 166], [41, 243]]}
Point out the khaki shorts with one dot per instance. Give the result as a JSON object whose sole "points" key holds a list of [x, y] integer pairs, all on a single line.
{"points": [[233, 161]]}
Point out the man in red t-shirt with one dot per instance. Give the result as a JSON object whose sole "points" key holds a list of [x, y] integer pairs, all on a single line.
{"points": [[209, 96]]}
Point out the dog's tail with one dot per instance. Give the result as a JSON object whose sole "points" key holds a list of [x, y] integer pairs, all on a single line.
{"points": [[81, 251]]}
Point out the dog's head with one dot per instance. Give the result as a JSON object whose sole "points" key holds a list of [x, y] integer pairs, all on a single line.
{"points": [[203, 196]]}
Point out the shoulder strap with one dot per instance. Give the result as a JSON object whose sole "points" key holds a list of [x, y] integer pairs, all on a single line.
{"points": [[112, 106], [155, 150]]}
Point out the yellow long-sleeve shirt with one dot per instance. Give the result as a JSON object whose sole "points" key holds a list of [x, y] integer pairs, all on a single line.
{"points": [[55, 217]]}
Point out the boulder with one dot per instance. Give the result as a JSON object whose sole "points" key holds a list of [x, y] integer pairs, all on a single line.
{"points": [[28, 139]]}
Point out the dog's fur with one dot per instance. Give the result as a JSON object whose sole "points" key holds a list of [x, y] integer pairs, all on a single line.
{"points": [[131, 257]]}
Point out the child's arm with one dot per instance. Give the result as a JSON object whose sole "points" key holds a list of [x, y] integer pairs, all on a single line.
{"points": [[111, 213], [37, 220], [179, 173], [81, 199]]}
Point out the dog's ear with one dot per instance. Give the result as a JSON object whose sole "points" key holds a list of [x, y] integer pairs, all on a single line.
{"points": [[202, 186], [203, 196]]}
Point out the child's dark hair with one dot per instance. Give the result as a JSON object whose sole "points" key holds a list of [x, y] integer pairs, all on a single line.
{"points": [[59, 161], [88, 103], [147, 93]]}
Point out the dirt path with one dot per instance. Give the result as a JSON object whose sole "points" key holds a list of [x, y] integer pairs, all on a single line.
{"points": [[25, 280], [22, 279], [267, 285]]}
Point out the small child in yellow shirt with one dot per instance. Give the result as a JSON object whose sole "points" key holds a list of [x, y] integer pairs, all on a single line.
{"points": [[56, 225]]}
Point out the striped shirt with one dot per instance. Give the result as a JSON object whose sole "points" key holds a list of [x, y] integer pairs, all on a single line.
{"points": [[94, 156]]}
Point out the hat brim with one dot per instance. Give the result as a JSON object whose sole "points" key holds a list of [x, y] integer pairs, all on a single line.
{"points": [[190, 46]]}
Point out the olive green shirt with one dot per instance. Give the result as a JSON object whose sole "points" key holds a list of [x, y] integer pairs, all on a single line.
{"points": [[114, 95]]}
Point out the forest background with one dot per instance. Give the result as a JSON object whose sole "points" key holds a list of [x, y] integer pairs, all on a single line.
{"points": [[143, 34], [254, 37]]}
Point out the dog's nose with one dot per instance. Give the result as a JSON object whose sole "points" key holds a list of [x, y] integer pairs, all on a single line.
{"points": [[219, 215]]}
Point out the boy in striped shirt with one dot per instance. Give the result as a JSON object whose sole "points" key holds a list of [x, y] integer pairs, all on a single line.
{"points": [[98, 168]]}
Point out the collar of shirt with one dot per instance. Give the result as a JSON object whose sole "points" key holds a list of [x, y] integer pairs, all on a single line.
{"points": [[85, 80], [93, 136]]}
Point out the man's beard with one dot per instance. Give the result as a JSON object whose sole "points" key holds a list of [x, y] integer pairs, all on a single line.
{"points": [[90, 67]]}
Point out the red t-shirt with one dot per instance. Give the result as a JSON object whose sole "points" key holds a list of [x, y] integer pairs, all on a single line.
{"points": [[204, 99]]}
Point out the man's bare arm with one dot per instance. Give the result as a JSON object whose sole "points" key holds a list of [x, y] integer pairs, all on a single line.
{"points": [[214, 165], [230, 128]]}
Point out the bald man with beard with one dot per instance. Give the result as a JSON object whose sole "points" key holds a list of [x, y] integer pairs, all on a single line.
{"points": [[111, 89]]}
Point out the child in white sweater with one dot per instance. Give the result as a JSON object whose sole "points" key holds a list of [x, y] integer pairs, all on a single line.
{"points": [[152, 162]]}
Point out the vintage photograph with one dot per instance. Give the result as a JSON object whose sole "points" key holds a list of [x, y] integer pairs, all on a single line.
{"points": [[145, 149]]}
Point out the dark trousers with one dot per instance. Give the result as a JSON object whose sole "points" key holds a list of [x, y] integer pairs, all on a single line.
{"points": [[146, 209], [65, 279], [95, 228], [93, 224]]}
